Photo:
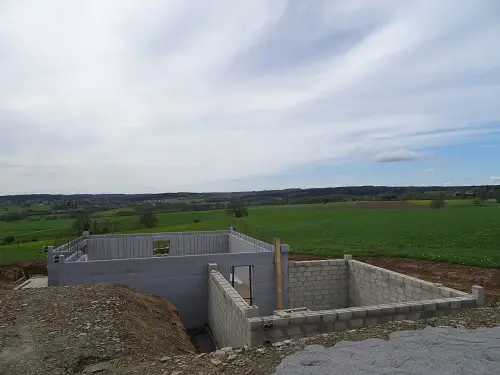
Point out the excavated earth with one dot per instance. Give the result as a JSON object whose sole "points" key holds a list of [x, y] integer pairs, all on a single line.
{"points": [[68, 329]]}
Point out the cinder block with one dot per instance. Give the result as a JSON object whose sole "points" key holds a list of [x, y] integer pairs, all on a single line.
{"points": [[297, 319], [254, 324], [340, 326], [429, 305], [478, 293], [468, 302], [344, 314], [442, 304], [358, 312], [356, 323], [385, 319], [388, 309], [281, 322], [276, 334], [294, 331], [402, 308], [373, 311], [329, 316], [313, 318], [371, 321], [455, 303], [311, 329], [415, 307], [413, 316]]}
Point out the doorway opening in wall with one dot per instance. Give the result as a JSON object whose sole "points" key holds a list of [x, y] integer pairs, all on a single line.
{"points": [[242, 282], [161, 248]]}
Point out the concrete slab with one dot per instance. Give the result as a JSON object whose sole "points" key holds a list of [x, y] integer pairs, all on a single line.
{"points": [[34, 282]]}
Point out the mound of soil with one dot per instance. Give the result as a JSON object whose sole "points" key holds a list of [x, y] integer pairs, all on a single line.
{"points": [[388, 205], [60, 330]]}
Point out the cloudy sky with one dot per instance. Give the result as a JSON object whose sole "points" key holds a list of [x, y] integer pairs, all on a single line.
{"points": [[156, 96]]}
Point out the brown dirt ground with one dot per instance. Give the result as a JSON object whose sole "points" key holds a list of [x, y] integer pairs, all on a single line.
{"points": [[452, 275], [388, 205], [61, 330], [11, 273]]}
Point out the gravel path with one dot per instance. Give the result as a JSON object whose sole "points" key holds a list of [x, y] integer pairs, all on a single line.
{"points": [[432, 351]]}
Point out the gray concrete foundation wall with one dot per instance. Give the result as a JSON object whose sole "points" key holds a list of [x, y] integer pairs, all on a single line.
{"points": [[181, 280], [104, 247], [227, 312], [240, 243], [317, 285]]}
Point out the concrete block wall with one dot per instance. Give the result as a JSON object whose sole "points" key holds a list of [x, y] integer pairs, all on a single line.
{"points": [[291, 325], [183, 280], [317, 285], [371, 285], [227, 312]]}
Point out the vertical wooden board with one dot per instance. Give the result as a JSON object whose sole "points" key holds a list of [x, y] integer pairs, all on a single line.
{"points": [[279, 284]]}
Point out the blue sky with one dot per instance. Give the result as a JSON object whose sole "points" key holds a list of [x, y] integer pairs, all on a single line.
{"points": [[156, 96]]}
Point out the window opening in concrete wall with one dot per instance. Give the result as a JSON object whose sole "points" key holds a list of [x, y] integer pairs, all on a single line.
{"points": [[242, 282], [161, 248]]}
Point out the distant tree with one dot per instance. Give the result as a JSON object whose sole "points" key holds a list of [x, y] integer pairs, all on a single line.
{"points": [[325, 200], [81, 224], [241, 211], [482, 194], [237, 208], [437, 203], [8, 240], [497, 195], [148, 219], [478, 201]]}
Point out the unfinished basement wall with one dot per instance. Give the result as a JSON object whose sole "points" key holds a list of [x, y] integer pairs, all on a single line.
{"points": [[240, 243], [317, 285], [103, 247], [181, 280], [119, 247], [371, 285], [227, 312]]}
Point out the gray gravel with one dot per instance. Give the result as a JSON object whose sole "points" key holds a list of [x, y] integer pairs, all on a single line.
{"points": [[441, 351]]}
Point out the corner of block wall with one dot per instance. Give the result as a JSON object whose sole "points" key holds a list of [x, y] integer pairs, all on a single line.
{"points": [[213, 267], [478, 293], [252, 312]]}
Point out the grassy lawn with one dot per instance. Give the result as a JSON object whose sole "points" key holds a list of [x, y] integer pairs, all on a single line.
{"points": [[466, 235], [23, 251], [32, 228]]}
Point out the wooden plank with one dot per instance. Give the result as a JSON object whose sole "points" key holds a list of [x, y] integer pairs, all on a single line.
{"points": [[279, 280]]}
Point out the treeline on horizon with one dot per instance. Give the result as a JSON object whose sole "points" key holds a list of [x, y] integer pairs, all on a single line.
{"points": [[355, 191]]}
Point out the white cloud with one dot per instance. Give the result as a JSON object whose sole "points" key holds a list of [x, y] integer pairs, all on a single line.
{"points": [[495, 179], [179, 95], [398, 155], [449, 183], [429, 170]]}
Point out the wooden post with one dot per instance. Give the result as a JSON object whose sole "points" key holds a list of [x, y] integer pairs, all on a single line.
{"points": [[279, 283]]}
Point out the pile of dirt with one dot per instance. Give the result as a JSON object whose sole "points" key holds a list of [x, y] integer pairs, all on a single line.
{"points": [[12, 273], [389, 205], [62, 330]]}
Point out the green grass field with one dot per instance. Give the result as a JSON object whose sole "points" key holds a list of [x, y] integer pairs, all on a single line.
{"points": [[465, 235]]}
